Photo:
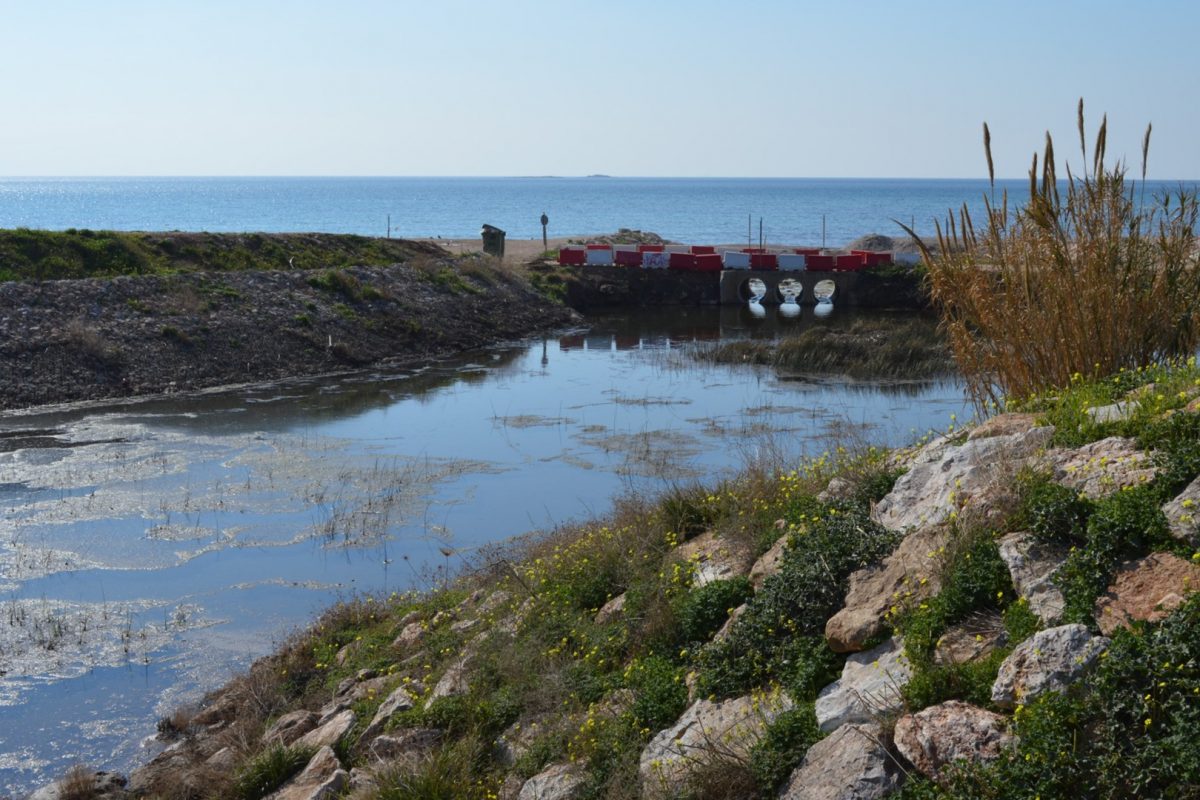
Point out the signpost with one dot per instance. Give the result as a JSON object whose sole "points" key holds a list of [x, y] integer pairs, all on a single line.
{"points": [[545, 222]]}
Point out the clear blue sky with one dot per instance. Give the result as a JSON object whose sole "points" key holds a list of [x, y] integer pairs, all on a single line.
{"points": [[570, 87]]}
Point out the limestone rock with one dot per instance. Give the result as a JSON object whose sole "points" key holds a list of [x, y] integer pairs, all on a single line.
{"points": [[1032, 564], [1146, 589], [723, 634], [953, 476], [410, 636], [909, 574], [869, 686], [1183, 514], [1114, 412], [558, 782], [328, 734], [714, 558], [517, 738], [362, 780], [611, 610], [493, 602], [852, 763], [466, 625], [730, 727], [104, 786], [768, 563], [224, 759], [290, 727], [511, 788], [838, 489], [406, 745], [943, 734], [322, 779], [1101, 468], [970, 641], [1003, 425], [401, 699], [452, 683], [1048, 661]]}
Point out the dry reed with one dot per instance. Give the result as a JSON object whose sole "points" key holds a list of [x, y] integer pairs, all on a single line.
{"points": [[1087, 283]]}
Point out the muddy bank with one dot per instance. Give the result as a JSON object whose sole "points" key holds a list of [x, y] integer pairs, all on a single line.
{"points": [[98, 338]]}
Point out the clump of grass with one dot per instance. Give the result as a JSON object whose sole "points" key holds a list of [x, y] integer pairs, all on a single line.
{"points": [[269, 770], [1091, 281]]}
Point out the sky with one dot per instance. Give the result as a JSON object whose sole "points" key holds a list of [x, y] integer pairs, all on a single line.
{"points": [[838, 88]]}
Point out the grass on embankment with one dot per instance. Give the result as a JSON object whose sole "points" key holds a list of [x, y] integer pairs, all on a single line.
{"points": [[27, 254], [868, 349]]}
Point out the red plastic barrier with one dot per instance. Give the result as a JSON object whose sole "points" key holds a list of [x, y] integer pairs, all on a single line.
{"points": [[683, 261], [848, 263], [763, 261], [572, 257], [702, 250], [627, 258], [708, 262], [807, 251], [818, 263], [878, 259], [753, 250], [650, 248]]}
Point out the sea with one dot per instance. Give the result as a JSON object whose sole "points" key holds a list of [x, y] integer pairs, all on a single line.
{"points": [[808, 211]]}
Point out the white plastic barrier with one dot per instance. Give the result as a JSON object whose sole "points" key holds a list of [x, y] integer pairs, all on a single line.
{"points": [[656, 260], [791, 261], [732, 259], [600, 258], [678, 248]]}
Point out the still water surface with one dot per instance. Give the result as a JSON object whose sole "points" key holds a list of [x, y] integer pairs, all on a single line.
{"points": [[148, 549]]}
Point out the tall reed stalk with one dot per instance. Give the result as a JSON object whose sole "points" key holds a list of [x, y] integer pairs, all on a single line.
{"points": [[1085, 277]]}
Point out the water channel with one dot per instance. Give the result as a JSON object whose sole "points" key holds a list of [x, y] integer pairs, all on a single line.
{"points": [[148, 549]]}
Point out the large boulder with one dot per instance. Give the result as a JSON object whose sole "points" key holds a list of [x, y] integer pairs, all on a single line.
{"points": [[1100, 468], [557, 782], [868, 688], [407, 746], [452, 683], [714, 558], [1032, 563], [1049, 661], [769, 563], [970, 641], [708, 729], [1146, 589], [401, 699], [853, 763], [329, 731], [1183, 514], [322, 779], [908, 575], [949, 732], [290, 727], [948, 477], [611, 610]]}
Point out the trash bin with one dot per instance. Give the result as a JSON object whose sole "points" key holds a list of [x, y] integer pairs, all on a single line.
{"points": [[493, 240]]}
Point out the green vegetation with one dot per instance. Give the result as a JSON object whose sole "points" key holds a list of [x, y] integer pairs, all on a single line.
{"points": [[1119, 270], [54, 255], [269, 770]]}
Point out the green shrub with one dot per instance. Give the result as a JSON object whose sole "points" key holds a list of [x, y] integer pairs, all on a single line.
{"points": [[703, 610], [269, 770], [660, 694], [783, 746], [780, 637], [1052, 511], [1175, 442]]}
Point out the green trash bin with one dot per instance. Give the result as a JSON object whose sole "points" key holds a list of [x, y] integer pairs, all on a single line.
{"points": [[493, 240]]}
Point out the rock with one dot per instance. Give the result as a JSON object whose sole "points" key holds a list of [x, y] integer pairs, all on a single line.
{"points": [[611, 610], [950, 477], [1048, 661], [769, 563], [406, 745], [952, 731], [1101, 468], [714, 558], [466, 625], [322, 779], [869, 687], [838, 489], [558, 782], [852, 763], [517, 738], [362, 780], [290, 727], [1032, 564], [1148, 589], [723, 634], [99, 785], [511, 788], [224, 759], [367, 684], [970, 641], [401, 699], [729, 728], [452, 683], [410, 636], [908, 575], [494, 601], [1003, 425], [1115, 412], [328, 734], [1183, 514]]}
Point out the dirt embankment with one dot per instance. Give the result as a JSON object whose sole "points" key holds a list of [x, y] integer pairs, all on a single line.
{"points": [[130, 335]]}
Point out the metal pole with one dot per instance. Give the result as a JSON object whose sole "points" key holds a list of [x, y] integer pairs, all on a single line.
{"points": [[822, 231], [760, 238], [389, 233], [749, 231]]}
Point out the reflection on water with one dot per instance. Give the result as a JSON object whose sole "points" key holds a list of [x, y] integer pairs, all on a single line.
{"points": [[149, 548]]}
